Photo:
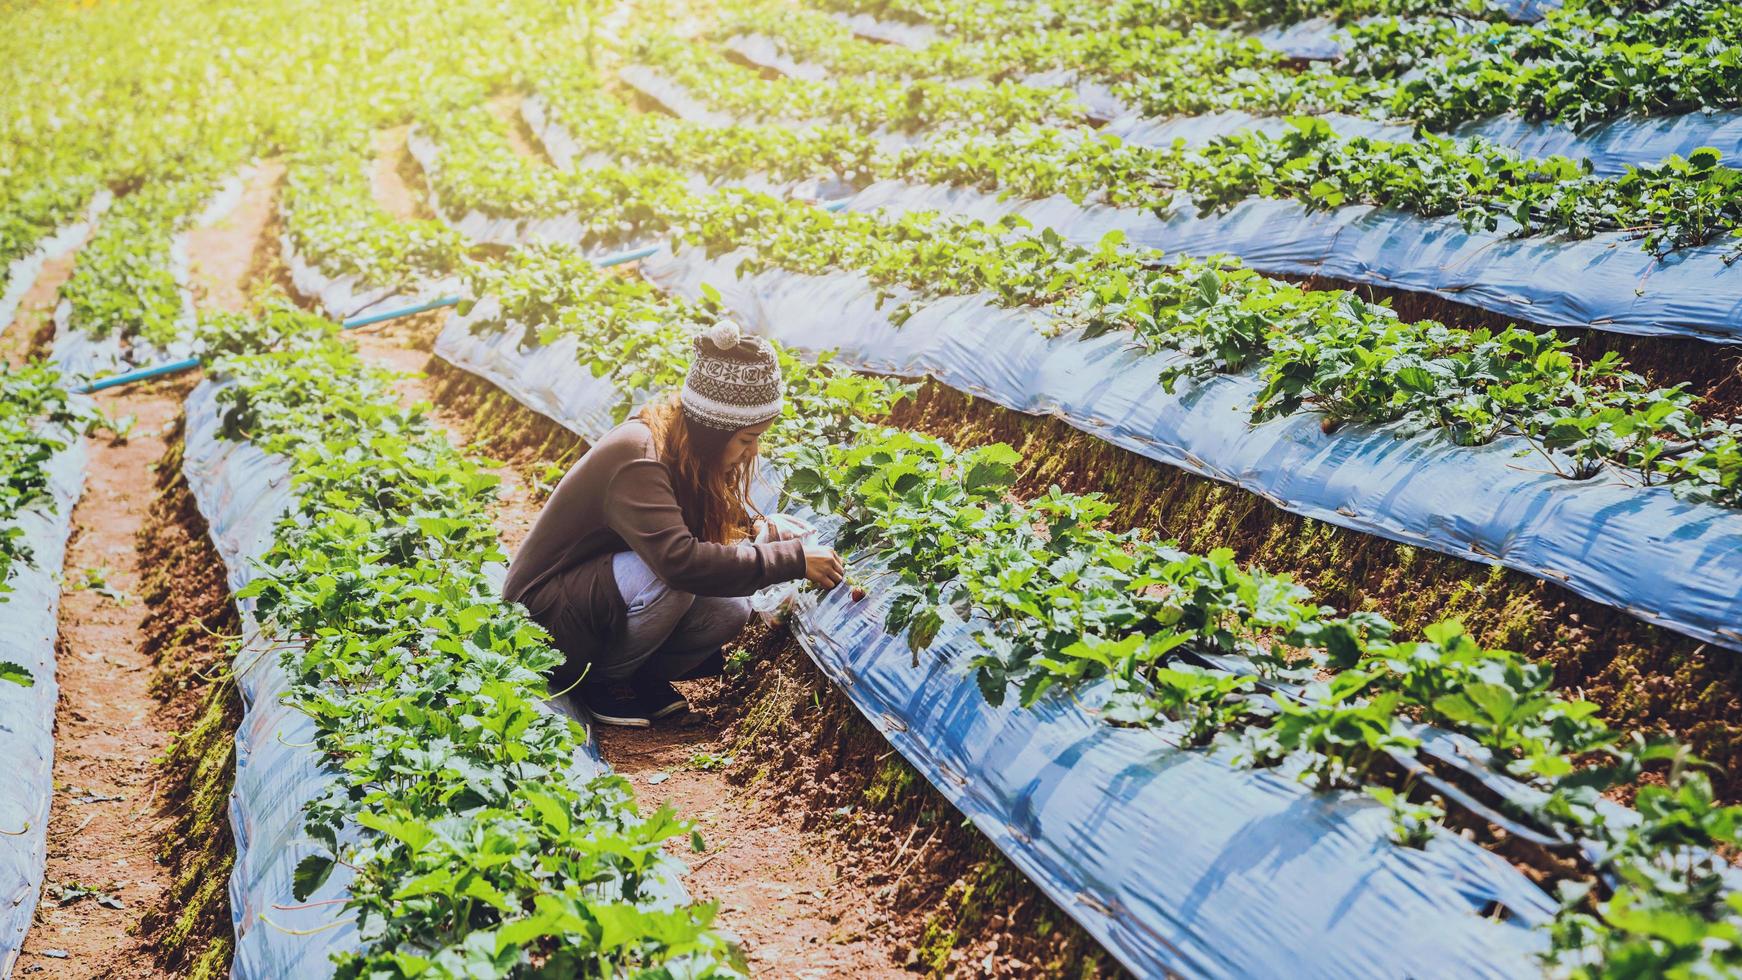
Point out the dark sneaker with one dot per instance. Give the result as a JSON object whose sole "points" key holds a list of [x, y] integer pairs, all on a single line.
{"points": [[656, 697], [714, 666], [615, 703]]}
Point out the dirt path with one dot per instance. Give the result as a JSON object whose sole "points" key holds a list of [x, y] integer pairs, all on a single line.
{"points": [[777, 885], [30, 330], [387, 175], [105, 826], [506, 107]]}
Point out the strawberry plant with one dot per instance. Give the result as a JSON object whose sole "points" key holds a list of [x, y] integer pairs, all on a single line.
{"points": [[33, 405]]}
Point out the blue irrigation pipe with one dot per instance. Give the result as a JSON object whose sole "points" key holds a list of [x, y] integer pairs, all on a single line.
{"points": [[141, 374], [188, 364]]}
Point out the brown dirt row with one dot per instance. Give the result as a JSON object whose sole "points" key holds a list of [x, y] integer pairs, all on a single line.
{"points": [[32, 330], [106, 817]]}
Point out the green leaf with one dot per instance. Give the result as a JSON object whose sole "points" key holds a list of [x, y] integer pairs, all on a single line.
{"points": [[16, 674], [311, 873]]}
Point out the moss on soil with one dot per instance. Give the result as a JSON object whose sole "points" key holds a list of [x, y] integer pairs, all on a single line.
{"points": [[189, 630]]}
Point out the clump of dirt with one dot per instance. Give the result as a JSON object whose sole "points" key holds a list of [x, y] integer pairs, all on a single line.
{"points": [[945, 896], [188, 631], [1644, 678]]}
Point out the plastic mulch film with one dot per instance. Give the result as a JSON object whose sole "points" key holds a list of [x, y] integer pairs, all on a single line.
{"points": [[767, 52], [23, 272], [1094, 814], [1313, 39], [1607, 282], [908, 35], [345, 296], [29, 618], [548, 380], [242, 492], [1615, 145], [80, 356], [1668, 561], [1176, 861], [483, 229], [1611, 147], [1163, 131]]}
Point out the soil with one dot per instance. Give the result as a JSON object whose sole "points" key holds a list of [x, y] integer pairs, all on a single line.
{"points": [[222, 258], [393, 192], [506, 107], [107, 732], [116, 822]]}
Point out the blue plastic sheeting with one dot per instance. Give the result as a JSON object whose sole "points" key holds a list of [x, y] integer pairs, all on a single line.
{"points": [[1607, 282], [1668, 561], [242, 492], [548, 380], [566, 152], [345, 296], [1174, 860], [1197, 131], [1615, 145], [29, 619], [680, 102], [1314, 39], [904, 33], [767, 52]]}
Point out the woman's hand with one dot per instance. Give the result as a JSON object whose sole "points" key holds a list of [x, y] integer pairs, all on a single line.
{"points": [[823, 568]]}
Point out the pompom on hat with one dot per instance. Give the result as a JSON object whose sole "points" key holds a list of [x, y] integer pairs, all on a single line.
{"points": [[734, 381]]}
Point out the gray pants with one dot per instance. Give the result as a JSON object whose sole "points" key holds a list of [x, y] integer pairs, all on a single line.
{"points": [[669, 631]]}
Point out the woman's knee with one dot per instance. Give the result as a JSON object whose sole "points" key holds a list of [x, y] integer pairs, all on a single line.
{"points": [[713, 622]]}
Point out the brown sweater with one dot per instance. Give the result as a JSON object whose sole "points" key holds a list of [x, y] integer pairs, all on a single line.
{"points": [[618, 497]]}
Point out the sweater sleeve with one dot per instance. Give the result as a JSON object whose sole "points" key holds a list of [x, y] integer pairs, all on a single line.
{"points": [[642, 508]]}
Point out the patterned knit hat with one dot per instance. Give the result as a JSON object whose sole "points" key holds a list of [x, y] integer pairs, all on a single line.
{"points": [[734, 381]]}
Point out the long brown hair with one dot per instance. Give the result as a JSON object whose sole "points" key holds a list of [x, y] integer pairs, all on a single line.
{"points": [[715, 500]]}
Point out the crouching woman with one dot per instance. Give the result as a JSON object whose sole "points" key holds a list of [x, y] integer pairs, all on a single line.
{"points": [[640, 562]]}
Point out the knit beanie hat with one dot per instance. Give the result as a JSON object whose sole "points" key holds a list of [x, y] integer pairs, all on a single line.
{"points": [[734, 381]]}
